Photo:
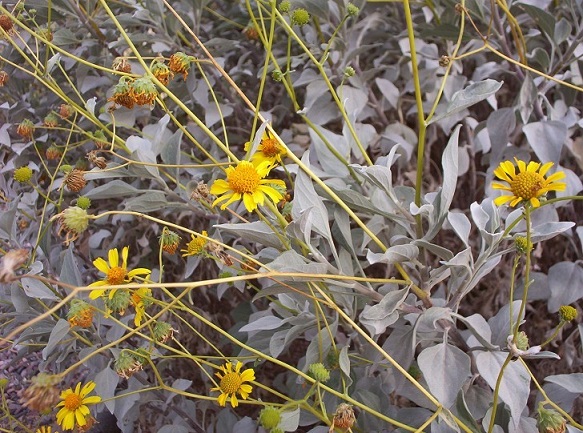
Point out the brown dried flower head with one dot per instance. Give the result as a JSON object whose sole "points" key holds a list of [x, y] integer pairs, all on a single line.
{"points": [[162, 72], [144, 91], [25, 129], [51, 120], [6, 23], [100, 140], [99, 161], [201, 191], [53, 152], [180, 63], [4, 77], [42, 394], [11, 261], [122, 93], [80, 314], [343, 417], [65, 111], [121, 64], [75, 180]]}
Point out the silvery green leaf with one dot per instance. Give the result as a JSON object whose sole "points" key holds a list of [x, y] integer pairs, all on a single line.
{"points": [[8, 220], [290, 420], [540, 355], [574, 185], [572, 382], [330, 162], [544, 20], [439, 251], [565, 282], [480, 331], [37, 289], [549, 230], [469, 96], [90, 104], [175, 428], [443, 199], [70, 270], [256, 231], [389, 91], [320, 343], [464, 412], [515, 384], [500, 323], [344, 362], [378, 317], [546, 139], [394, 254], [149, 202], [105, 384], [291, 261], [180, 385], [445, 369], [354, 101], [461, 225], [52, 62], [528, 95], [170, 152], [446, 423], [427, 321], [462, 259], [262, 324], [114, 189], [59, 332], [479, 215]]}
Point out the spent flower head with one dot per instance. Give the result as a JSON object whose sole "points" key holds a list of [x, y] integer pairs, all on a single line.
{"points": [[528, 185], [162, 331], [232, 382], [246, 181], [42, 394], [161, 71], [144, 91], [169, 240], [51, 120], [344, 417], [80, 314], [180, 63], [11, 261], [74, 410], [550, 421]]}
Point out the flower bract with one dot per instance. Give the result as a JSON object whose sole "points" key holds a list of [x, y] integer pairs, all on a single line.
{"points": [[246, 182], [115, 272], [529, 184], [73, 405], [233, 382]]}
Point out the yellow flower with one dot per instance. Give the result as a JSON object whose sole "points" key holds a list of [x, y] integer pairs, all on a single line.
{"points": [[141, 299], [196, 245], [114, 273], [529, 184], [269, 149], [233, 382], [246, 181], [74, 408]]}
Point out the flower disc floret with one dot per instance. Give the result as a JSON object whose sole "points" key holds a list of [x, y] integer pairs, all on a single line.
{"points": [[246, 181], [567, 313], [115, 272], [73, 404], [529, 184], [23, 174], [300, 17], [232, 381]]}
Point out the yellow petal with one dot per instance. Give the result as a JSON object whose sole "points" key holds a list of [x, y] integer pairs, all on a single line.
{"points": [[124, 257], [234, 401], [534, 202], [556, 176], [222, 399], [89, 386], [113, 256], [101, 265], [521, 165], [533, 167], [543, 170], [249, 202], [248, 375], [496, 185], [219, 186], [500, 200]]}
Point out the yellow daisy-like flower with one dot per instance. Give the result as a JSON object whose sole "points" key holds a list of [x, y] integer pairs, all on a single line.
{"points": [[74, 408], [233, 382], [269, 149], [246, 181], [196, 245], [114, 272], [529, 184]]}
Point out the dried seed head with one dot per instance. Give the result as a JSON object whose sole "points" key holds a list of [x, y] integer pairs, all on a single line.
{"points": [[444, 61], [6, 23], [100, 140], [129, 362], [144, 91], [343, 417], [99, 161], [169, 241], [53, 152], [75, 180], [73, 221], [4, 77], [122, 93], [42, 394], [162, 332], [80, 314], [11, 261], [121, 64], [200, 192], [251, 32], [162, 72], [550, 421]]}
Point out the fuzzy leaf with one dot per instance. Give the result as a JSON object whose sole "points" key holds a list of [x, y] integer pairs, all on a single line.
{"points": [[565, 282]]}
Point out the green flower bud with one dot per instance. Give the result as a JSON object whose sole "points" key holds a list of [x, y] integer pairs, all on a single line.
{"points": [[75, 219], [567, 313], [300, 16], [521, 245], [522, 341], [349, 72], [277, 76], [269, 417], [118, 302], [284, 6], [84, 202], [319, 372], [352, 10], [162, 332]]}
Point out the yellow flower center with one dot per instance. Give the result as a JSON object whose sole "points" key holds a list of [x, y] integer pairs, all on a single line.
{"points": [[195, 246], [116, 275], [527, 184], [73, 402], [270, 147], [244, 178], [230, 383]]}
